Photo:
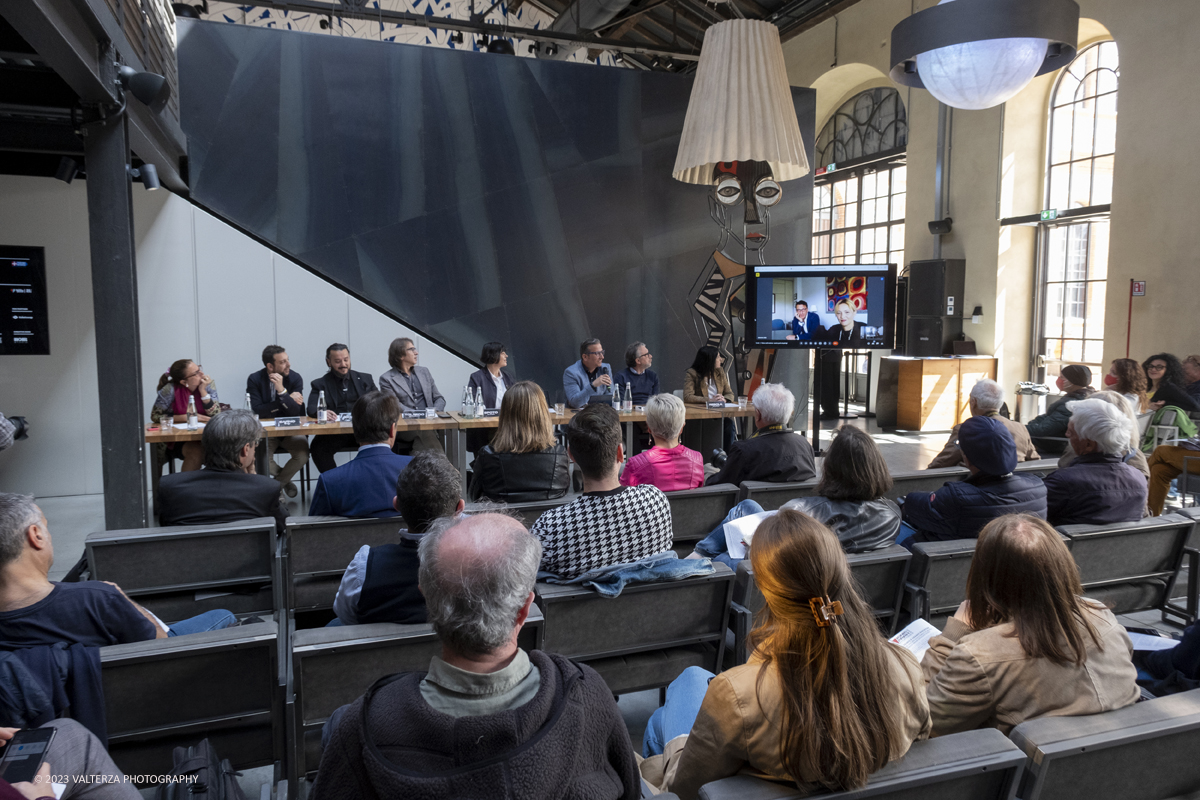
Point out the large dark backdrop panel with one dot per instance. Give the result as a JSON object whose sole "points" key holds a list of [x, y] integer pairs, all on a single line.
{"points": [[472, 196]]}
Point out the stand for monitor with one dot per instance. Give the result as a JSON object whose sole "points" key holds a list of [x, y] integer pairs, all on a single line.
{"points": [[816, 404], [846, 384]]}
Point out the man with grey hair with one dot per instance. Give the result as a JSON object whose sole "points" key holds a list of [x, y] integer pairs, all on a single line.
{"points": [[987, 397], [1098, 488], [35, 611], [227, 488], [775, 452], [486, 712]]}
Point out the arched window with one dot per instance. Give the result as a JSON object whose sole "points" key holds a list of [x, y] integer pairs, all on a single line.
{"points": [[858, 205], [1074, 258]]}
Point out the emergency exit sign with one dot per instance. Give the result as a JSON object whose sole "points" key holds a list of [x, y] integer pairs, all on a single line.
{"points": [[1138, 288], [1049, 214]]}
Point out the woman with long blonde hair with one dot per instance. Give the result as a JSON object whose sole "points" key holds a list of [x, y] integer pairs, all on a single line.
{"points": [[523, 463], [824, 700]]}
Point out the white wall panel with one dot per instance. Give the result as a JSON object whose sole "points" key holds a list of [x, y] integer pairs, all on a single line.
{"points": [[370, 335], [310, 315]]}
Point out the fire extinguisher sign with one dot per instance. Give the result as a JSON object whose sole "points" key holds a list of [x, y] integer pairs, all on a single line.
{"points": [[1137, 288]]}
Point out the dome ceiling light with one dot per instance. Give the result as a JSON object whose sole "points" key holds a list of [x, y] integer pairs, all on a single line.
{"points": [[974, 54]]}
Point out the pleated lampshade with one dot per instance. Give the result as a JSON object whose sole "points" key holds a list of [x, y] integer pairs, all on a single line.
{"points": [[741, 106]]}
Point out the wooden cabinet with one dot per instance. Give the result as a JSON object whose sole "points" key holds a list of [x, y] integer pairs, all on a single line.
{"points": [[932, 392]]}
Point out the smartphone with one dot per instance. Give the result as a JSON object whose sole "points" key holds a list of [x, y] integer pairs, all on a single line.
{"points": [[23, 755], [443, 415]]}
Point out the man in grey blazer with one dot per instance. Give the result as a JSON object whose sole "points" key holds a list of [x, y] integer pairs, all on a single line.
{"points": [[416, 391]]}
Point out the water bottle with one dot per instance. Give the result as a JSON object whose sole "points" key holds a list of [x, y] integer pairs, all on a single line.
{"points": [[628, 404], [321, 408], [250, 406], [193, 422], [479, 406], [468, 403], [616, 397]]}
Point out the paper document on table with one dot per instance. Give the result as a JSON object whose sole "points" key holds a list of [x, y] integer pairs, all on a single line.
{"points": [[915, 638], [1142, 641], [267, 423], [739, 532], [182, 426]]}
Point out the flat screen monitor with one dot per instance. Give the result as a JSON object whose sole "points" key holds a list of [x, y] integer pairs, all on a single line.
{"points": [[822, 306], [24, 324]]}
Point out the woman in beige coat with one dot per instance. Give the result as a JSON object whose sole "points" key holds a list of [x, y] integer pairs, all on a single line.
{"points": [[820, 664], [1025, 644], [706, 380]]}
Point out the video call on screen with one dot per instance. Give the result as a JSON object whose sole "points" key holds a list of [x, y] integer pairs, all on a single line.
{"points": [[24, 324], [841, 306]]}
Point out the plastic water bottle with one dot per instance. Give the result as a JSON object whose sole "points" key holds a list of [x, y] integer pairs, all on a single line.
{"points": [[628, 404], [193, 421], [250, 406], [479, 406], [468, 403], [321, 408]]}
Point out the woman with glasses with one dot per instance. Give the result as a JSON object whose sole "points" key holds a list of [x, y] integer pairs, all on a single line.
{"points": [[184, 380], [1167, 382]]}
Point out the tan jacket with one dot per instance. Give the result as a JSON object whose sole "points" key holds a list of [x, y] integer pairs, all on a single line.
{"points": [[983, 679], [695, 388], [737, 729], [951, 456]]}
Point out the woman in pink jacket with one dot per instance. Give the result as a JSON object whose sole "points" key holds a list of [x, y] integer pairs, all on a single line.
{"points": [[668, 465]]}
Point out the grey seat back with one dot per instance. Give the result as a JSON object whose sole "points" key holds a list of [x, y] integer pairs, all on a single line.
{"points": [[645, 637], [318, 550], [974, 765], [772, 496], [1129, 565], [695, 512], [1041, 467], [937, 578], [923, 480], [332, 667], [223, 685], [1147, 750], [165, 568], [527, 512]]}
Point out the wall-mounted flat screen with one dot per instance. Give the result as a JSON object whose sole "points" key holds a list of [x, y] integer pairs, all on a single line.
{"points": [[24, 323], [822, 306]]}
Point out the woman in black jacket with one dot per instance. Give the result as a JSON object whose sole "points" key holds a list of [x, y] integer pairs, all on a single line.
{"points": [[1049, 430], [1167, 382], [523, 463]]}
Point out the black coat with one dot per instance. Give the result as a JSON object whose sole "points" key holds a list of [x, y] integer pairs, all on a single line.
{"points": [[960, 509], [778, 456], [262, 398], [332, 386], [521, 477], [482, 378], [207, 496], [1054, 423]]}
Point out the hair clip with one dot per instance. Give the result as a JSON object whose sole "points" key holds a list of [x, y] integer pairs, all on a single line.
{"points": [[824, 611]]}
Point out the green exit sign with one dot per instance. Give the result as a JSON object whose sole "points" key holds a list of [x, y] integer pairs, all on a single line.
{"points": [[831, 167], [1049, 214]]}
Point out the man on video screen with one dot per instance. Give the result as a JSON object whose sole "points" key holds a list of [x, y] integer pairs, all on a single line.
{"points": [[806, 326]]}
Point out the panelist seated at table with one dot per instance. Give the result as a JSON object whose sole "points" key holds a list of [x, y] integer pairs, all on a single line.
{"points": [[588, 377], [380, 585], [523, 463], [416, 391], [637, 374], [365, 487], [342, 387], [35, 611], [706, 381], [277, 391], [668, 465], [227, 489], [806, 325], [494, 382], [185, 381], [775, 452]]}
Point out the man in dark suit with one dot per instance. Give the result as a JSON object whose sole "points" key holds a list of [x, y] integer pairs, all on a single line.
{"points": [[806, 325], [775, 452], [226, 489], [342, 387], [366, 486], [277, 391]]}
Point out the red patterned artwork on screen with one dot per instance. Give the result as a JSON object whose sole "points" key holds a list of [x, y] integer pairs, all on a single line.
{"points": [[852, 289]]}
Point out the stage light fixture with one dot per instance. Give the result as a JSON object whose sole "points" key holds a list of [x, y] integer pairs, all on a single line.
{"points": [[618, 57], [151, 89], [502, 46], [148, 173], [68, 168]]}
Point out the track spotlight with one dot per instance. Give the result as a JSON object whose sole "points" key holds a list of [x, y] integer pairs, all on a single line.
{"points": [[149, 176], [533, 48], [188, 11], [456, 37], [153, 90], [502, 46], [618, 57], [68, 168]]}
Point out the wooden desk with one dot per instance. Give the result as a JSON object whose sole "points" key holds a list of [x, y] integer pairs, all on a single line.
{"points": [[933, 392]]}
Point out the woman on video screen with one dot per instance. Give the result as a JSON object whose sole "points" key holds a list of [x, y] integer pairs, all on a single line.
{"points": [[849, 332]]}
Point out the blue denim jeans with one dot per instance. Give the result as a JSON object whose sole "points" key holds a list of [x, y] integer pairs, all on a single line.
{"points": [[713, 546], [905, 535], [215, 620], [676, 717]]}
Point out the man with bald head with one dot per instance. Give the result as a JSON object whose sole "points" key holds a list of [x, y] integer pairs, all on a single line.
{"points": [[486, 711]]}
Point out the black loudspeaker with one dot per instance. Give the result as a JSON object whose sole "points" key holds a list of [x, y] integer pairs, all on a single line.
{"points": [[935, 288], [929, 337]]}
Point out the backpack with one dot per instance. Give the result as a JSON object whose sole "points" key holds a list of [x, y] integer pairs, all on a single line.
{"points": [[198, 766]]}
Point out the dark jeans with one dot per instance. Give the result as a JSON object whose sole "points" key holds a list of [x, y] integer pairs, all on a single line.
{"points": [[323, 449]]}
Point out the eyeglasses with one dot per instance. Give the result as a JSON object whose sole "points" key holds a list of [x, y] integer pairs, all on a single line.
{"points": [[410, 349], [199, 369], [1156, 367], [594, 353]]}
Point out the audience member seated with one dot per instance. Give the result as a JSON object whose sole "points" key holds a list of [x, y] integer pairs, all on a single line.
{"points": [[227, 489], [1025, 644], [184, 381], [1174, 670], [986, 399], [610, 523], [1099, 487], [960, 509], [493, 381], [35, 611], [824, 701], [1168, 383], [365, 487], [668, 465], [775, 452], [486, 713], [524, 463], [587, 377], [1133, 456], [1126, 377], [637, 374], [342, 387], [380, 585], [1191, 374], [79, 755], [1166, 464], [1075, 384], [416, 391], [277, 391], [706, 381]]}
